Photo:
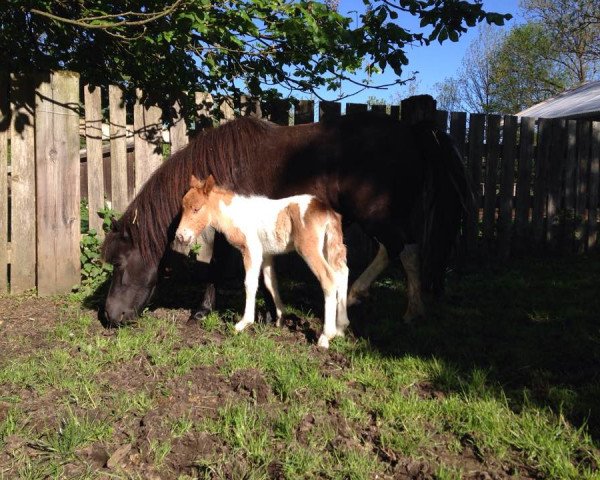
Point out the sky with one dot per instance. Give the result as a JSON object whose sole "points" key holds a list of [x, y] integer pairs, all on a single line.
{"points": [[433, 63]]}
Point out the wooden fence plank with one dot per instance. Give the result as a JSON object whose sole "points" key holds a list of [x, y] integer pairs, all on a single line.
{"points": [[250, 107], [304, 112], [584, 132], [58, 192], [94, 163], [556, 167], [356, 107], [329, 110], [278, 111], [178, 130], [204, 106], [491, 178], [395, 111], [540, 181], [4, 134], [23, 208], [441, 120], [505, 210], [378, 108], [118, 149], [226, 109], [523, 201], [147, 127], [594, 186], [569, 187], [476, 149], [458, 130]]}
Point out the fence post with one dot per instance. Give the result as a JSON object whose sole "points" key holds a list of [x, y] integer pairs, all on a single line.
{"points": [[147, 127], [329, 110], [594, 185], [418, 108], [507, 182], [23, 207], [178, 131], [476, 132], [523, 199], [584, 133], [491, 179], [4, 132], [95, 170], [556, 174], [204, 105], [118, 148], [304, 112], [58, 187], [540, 186]]}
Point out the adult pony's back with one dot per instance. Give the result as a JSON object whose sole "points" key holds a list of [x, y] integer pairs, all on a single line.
{"points": [[404, 185]]}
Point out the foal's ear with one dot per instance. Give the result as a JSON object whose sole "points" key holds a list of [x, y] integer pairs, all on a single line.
{"points": [[194, 182], [209, 184]]}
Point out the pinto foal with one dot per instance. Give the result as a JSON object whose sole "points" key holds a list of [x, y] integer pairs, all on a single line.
{"points": [[262, 228]]}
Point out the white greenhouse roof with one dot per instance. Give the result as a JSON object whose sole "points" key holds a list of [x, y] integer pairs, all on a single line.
{"points": [[583, 101]]}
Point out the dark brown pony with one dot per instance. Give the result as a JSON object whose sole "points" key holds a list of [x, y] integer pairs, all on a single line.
{"points": [[404, 185]]}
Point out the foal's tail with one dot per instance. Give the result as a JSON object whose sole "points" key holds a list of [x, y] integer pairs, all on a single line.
{"points": [[446, 197]]}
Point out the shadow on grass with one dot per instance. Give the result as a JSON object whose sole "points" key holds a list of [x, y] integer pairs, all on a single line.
{"points": [[532, 325]]}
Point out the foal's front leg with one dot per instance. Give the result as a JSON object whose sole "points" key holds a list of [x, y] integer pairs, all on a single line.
{"points": [[252, 264]]}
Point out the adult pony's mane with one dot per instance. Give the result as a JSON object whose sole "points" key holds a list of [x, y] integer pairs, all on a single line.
{"points": [[222, 152]]}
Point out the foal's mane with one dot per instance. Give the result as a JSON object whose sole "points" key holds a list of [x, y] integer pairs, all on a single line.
{"points": [[225, 152]]}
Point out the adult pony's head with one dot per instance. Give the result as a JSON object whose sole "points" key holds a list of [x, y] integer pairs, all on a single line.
{"points": [[139, 240]]}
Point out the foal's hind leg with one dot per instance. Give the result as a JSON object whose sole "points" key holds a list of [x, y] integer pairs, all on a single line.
{"points": [[361, 285], [410, 261], [270, 280], [341, 319]]}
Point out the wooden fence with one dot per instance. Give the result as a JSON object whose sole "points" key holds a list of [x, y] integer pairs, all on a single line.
{"points": [[536, 182]]}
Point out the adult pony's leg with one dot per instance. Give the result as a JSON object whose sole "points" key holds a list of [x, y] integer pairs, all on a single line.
{"points": [[410, 261], [360, 288], [206, 240], [270, 280]]}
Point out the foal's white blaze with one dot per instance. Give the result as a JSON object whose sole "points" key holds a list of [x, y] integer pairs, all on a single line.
{"points": [[187, 235]]}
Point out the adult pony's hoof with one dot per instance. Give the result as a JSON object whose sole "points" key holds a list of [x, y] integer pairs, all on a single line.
{"points": [[199, 315], [323, 342]]}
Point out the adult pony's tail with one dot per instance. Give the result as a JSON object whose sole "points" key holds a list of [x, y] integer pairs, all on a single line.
{"points": [[446, 197]]}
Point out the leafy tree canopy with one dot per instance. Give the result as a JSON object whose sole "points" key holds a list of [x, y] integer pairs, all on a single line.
{"points": [[223, 46]]}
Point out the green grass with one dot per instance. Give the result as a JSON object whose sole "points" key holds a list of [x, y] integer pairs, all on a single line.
{"points": [[506, 367]]}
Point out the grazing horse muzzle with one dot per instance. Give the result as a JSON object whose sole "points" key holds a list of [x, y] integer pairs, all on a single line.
{"points": [[185, 236], [116, 315]]}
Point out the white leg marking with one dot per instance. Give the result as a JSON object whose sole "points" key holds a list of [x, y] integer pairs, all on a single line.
{"points": [[361, 286], [342, 321], [410, 261], [251, 284], [329, 329], [271, 284]]}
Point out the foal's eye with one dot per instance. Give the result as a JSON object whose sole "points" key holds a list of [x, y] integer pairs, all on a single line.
{"points": [[196, 210]]}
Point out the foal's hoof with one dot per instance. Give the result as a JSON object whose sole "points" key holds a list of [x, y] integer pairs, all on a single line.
{"points": [[323, 342], [199, 315], [241, 325]]}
